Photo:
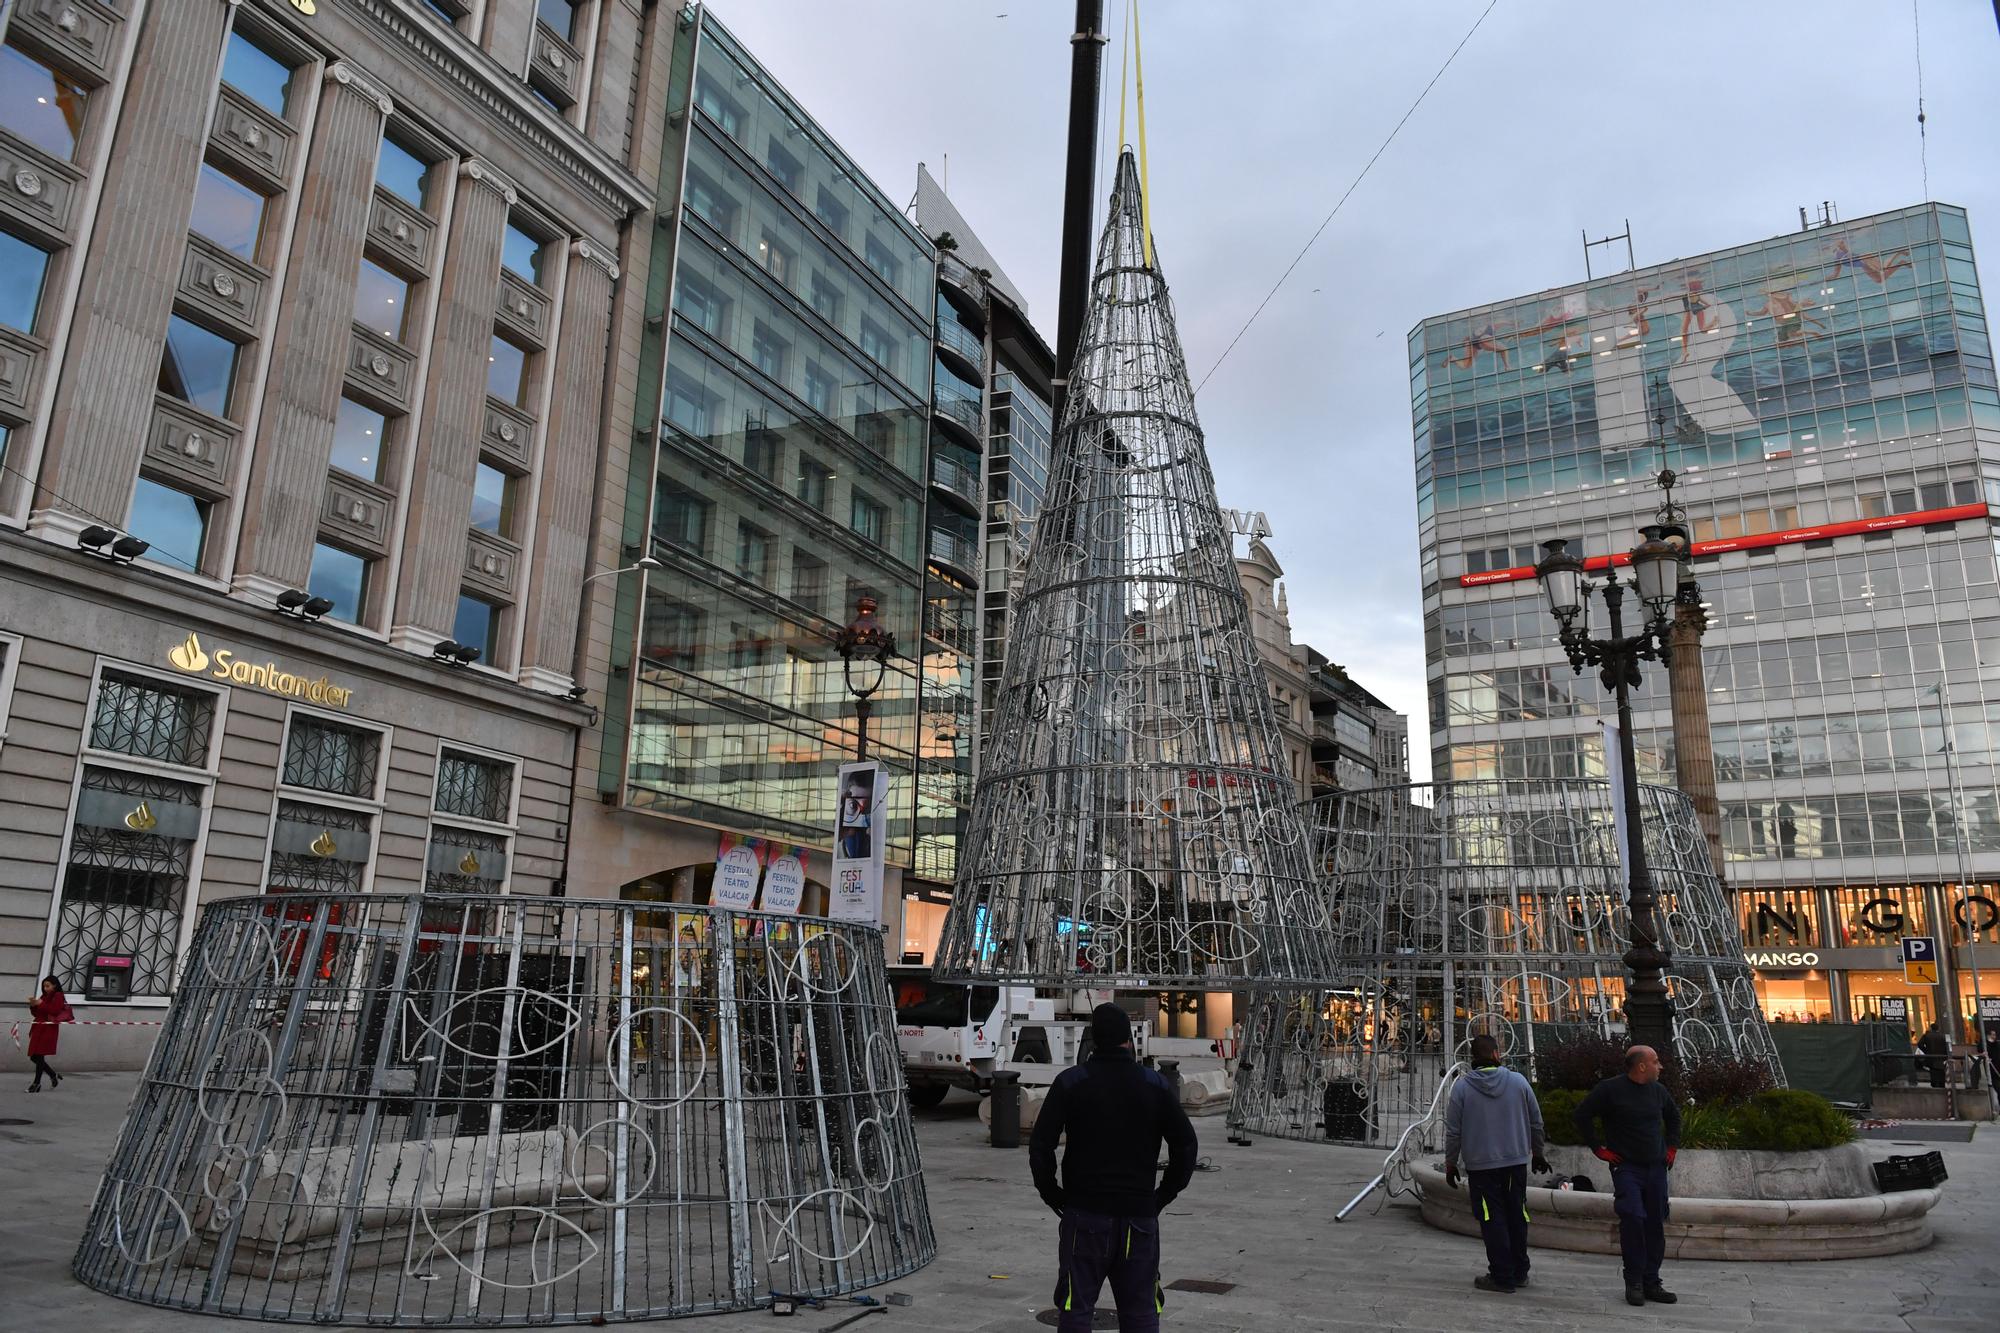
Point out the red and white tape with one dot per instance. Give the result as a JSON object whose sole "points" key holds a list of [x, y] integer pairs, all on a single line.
{"points": [[15, 1030]]}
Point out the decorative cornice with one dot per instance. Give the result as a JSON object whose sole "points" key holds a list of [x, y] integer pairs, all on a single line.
{"points": [[347, 76], [596, 254], [506, 98], [480, 170]]}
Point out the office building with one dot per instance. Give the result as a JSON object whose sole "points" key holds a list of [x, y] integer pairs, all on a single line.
{"points": [[989, 458], [1828, 400], [777, 474], [304, 318]]}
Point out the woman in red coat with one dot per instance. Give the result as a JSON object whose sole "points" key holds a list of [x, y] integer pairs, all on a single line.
{"points": [[49, 1008]]}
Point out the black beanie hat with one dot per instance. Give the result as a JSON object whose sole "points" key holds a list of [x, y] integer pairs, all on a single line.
{"points": [[1109, 1027]]}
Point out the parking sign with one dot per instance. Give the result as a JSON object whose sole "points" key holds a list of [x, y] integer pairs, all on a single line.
{"points": [[1920, 960]]}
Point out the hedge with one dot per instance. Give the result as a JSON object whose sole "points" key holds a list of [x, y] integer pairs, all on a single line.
{"points": [[1780, 1120]]}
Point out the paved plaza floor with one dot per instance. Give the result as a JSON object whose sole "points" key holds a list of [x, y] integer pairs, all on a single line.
{"points": [[1261, 1219]]}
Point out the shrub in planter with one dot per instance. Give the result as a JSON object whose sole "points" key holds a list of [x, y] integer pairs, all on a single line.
{"points": [[1579, 1062], [1721, 1080], [1790, 1120], [1559, 1113], [1709, 1127]]}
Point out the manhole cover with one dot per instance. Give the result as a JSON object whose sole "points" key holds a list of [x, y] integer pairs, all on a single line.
{"points": [[1099, 1318], [10, 1120], [1203, 1285]]}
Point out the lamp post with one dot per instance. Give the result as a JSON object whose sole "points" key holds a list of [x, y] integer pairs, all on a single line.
{"points": [[1655, 568], [865, 649]]}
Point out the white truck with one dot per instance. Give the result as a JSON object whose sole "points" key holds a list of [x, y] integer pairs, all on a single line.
{"points": [[957, 1036]]}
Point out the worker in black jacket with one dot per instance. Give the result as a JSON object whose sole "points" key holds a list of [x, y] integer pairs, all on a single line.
{"points": [[1642, 1132], [1115, 1112]]}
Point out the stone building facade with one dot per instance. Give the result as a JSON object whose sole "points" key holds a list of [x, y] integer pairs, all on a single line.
{"points": [[317, 301]]}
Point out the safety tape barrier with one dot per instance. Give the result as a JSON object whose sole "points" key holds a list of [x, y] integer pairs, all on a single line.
{"points": [[15, 1030]]}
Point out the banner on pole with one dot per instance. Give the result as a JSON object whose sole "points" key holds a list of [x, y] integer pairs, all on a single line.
{"points": [[739, 862], [785, 880], [859, 843]]}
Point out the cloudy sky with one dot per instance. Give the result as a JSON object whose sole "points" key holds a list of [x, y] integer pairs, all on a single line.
{"points": [[1707, 124]]}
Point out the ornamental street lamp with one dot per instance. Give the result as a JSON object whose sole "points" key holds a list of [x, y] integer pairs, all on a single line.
{"points": [[865, 649], [1656, 576]]}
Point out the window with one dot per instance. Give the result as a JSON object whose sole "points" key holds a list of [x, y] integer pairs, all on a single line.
{"points": [[784, 166], [10, 665], [507, 372], [687, 403], [831, 211], [253, 71], [493, 500], [753, 553], [402, 172], [682, 520], [768, 351], [128, 871], [477, 625], [381, 301], [869, 518], [342, 578], [228, 212], [820, 388], [198, 367], [359, 436], [764, 451], [718, 107], [173, 522], [23, 269], [777, 260], [464, 858], [876, 345], [811, 484], [41, 105], [879, 257], [711, 202], [560, 15], [826, 298], [698, 303], [323, 847], [808, 580], [521, 255]]}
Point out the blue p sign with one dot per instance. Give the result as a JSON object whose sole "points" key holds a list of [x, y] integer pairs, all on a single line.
{"points": [[1919, 949]]}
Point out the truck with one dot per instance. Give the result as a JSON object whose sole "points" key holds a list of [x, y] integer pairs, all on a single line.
{"points": [[959, 1036]]}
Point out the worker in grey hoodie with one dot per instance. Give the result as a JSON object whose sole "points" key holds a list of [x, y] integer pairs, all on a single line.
{"points": [[1493, 1124]]}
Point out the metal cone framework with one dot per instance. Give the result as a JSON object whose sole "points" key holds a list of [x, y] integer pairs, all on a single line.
{"points": [[1135, 824]]}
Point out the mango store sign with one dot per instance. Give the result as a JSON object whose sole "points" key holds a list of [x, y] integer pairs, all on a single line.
{"points": [[226, 664]]}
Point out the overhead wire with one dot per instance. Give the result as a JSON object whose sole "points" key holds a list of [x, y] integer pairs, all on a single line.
{"points": [[1923, 136], [1354, 185], [43, 488]]}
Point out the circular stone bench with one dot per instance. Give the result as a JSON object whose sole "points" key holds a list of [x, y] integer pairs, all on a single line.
{"points": [[1833, 1221]]}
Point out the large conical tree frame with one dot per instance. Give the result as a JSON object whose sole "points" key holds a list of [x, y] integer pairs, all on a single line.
{"points": [[1135, 823]]}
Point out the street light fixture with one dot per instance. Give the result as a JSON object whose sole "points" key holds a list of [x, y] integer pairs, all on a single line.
{"points": [[1655, 564], [645, 562], [865, 647]]}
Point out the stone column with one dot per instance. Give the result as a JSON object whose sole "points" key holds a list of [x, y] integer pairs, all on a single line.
{"points": [[281, 505], [1694, 749], [570, 463], [104, 401], [440, 495]]}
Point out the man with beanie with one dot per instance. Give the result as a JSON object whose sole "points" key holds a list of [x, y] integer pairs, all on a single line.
{"points": [[1494, 1125], [1115, 1112], [1642, 1132]]}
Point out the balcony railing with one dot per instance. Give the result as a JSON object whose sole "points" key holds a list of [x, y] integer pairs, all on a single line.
{"points": [[948, 548], [958, 407], [955, 338], [951, 475]]}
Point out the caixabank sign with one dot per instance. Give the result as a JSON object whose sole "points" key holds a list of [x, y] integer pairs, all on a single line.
{"points": [[227, 664]]}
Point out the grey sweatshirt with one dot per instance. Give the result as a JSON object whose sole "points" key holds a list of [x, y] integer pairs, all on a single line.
{"points": [[1492, 1120]]}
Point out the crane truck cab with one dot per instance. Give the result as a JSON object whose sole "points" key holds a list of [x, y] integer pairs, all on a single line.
{"points": [[958, 1036]]}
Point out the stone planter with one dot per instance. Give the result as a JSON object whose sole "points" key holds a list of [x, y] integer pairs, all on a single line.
{"points": [[1727, 1205]]}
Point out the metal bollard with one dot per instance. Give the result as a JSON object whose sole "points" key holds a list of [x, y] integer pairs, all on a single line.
{"points": [[1006, 1126]]}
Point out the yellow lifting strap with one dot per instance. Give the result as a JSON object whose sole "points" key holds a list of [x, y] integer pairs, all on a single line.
{"points": [[1132, 73]]}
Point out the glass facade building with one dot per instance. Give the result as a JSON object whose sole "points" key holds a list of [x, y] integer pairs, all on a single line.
{"points": [[791, 339], [1828, 399]]}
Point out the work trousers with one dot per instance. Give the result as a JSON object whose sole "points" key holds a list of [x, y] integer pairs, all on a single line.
{"points": [[1126, 1250], [1639, 1194], [1500, 1202]]}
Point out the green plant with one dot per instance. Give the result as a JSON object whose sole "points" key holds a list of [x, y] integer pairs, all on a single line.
{"points": [[1709, 1127], [1559, 1113], [1790, 1120]]}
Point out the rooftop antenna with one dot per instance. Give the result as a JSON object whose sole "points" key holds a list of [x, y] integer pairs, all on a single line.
{"points": [[1829, 214], [1631, 261]]}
